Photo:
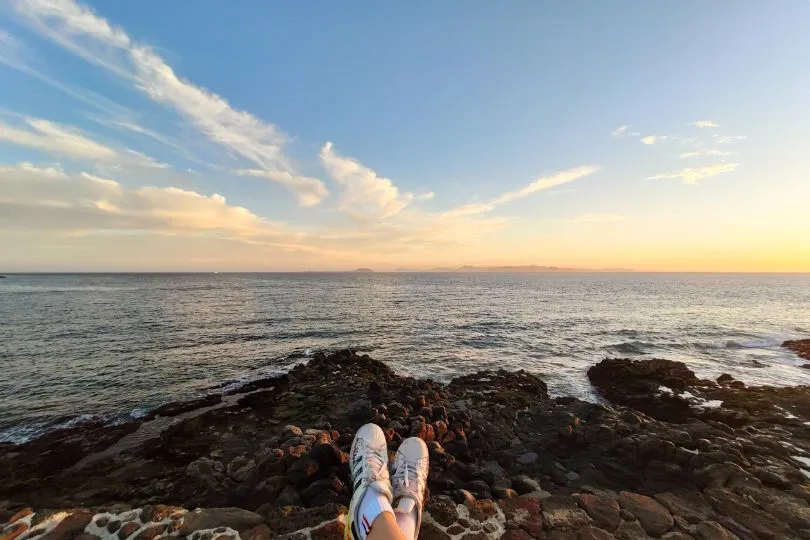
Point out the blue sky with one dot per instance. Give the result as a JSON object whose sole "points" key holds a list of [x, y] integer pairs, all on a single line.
{"points": [[282, 136]]}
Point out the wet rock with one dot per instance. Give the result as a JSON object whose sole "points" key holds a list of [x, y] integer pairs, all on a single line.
{"points": [[303, 472], [604, 511], [288, 497], [209, 518], [595, 533], [799, 346], [241, 468], [206, 472], [653, 517]]}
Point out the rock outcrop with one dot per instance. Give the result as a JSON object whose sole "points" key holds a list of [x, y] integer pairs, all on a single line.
{"points": [[672, 456]]}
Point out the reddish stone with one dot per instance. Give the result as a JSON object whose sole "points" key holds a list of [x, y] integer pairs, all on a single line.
{"points": [[481, 510], [25, 512], [524, 513], [14, 531], [334, 530], [87, 536], [429, 531], [127, 530], [150, 532], [604, 511], [595, 533], [654, 518], [69, 527], [259, 532]]}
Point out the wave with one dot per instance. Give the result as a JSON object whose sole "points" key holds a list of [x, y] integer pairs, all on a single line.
{"points": [[632, 347], [23, 433], [753, 344]]}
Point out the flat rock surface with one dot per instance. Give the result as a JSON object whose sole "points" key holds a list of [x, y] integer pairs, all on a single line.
{"points": [[672, 456]]}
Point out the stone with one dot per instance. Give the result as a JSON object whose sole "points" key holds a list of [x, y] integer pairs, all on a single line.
{"points": [[442, 509], [693, 510], [290, 431], [288, 497], [333, 530], [327, 454], [527, 458], [524, 513], [524, 484], [70, 526], [13, 531], [711, 530], [562, 513], [595, 533], [206, 472], [482, 510], [241, 468], [287, 519], [653, 517], [20, 514], [157, 512], [150, 532], [303, 472], [127, 530], [102, 522], [515, 534], [259, 532], [209, 518], [604, 511], [113, 526], [630, 530], [746, 514], [87, 536], [677, 535], [430, 531]]}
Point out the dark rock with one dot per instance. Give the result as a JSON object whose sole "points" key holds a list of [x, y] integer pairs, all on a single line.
{"points": [[327, 454], [173, 409], [693, 509], [595, 533], [746, 514], [653, 517], [711, 530], [442, 509], [303, 472], [113, 526], [799, 346], [209, 518], [288, 497], [150, 532]]}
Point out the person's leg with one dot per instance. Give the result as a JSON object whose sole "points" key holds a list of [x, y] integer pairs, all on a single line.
{"points": [[385, 527], [371, 500], [410, 485]]}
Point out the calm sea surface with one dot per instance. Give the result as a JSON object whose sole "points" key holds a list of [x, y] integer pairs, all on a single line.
{"points": [[115, 345]]}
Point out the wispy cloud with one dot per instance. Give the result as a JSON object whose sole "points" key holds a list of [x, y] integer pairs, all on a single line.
{"points": [[708, 152], [654, 139], [544, 182], [704, 124], [70, 142], [48, 198], [624, 131], [728, 139], [364, 191], [693, 174], [310, 191], [80, 30]]}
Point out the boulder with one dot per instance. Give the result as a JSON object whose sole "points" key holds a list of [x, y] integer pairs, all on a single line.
{"points": [[211, 518], [653, 517]]}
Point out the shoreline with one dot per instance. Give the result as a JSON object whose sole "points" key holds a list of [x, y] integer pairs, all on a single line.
{"points": [[667, 453]]}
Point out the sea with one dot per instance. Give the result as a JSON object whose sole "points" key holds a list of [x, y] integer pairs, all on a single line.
{"points": [[82, 347]]}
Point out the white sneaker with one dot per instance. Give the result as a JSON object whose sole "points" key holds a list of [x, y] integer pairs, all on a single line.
{"points": [[368, 460], [410, 475]]}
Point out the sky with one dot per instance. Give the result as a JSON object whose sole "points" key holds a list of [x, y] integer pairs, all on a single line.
{"points": [[285, 136]]}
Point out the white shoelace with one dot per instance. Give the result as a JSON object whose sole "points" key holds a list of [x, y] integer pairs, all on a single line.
{"points": [[408, 473], [375, 463]]}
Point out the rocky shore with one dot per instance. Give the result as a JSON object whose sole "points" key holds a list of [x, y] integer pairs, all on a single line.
{"points": [[666, 455]]}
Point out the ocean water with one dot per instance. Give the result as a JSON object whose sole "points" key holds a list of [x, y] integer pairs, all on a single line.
{"points": [[77, 347]]}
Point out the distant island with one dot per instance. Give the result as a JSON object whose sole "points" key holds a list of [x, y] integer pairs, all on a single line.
{"points": [[520, 269], [364, 270]]}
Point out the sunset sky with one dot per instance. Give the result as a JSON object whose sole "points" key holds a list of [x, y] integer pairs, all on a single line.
{"points": [[214, 136]]}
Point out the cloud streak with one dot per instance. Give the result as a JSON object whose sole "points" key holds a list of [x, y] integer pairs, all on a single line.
{"points": [[58, 139], [693, 174], [544, 182], [78, 29], [365, 192], [703, 124]]}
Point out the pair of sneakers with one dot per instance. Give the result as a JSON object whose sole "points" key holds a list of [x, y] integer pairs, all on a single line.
{"points": [[368, 460]]}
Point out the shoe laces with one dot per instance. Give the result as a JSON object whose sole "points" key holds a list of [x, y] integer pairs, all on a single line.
{"points": [[408, 473], [375, 463]]}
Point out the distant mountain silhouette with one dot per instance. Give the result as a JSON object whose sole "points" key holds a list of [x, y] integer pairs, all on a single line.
{"points": [[364, 270], [518, 269]]}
